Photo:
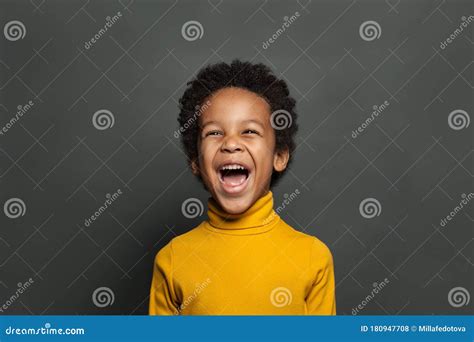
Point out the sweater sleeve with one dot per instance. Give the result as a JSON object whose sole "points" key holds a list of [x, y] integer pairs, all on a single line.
{"points": [[321, 299], [162, 296]]}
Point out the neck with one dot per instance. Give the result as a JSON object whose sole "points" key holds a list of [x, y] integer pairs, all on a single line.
{"points": [[259, 218]]}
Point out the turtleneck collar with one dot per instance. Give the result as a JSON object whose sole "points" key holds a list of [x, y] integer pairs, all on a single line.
{"points": [[259, 218]]}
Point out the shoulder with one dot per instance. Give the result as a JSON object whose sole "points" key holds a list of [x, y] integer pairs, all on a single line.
{"points": [[319, 251], [306, 238], [320, 248], [179, 243]]}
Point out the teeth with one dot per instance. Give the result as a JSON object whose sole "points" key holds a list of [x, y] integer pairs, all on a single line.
{"points": [[232, 167]]}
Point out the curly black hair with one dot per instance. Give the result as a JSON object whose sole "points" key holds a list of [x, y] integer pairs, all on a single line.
{"points": [[257, 78]]}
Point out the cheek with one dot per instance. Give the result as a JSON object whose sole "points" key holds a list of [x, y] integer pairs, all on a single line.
{"points": [[263, 154], [206, 154]]}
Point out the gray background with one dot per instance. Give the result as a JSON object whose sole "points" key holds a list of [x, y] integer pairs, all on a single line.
{"points": [[62, 167]]}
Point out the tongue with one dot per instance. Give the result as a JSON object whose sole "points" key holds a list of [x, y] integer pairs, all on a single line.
{"points": [[234, 180]]}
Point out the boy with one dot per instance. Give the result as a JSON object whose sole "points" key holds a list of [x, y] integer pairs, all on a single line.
{"points": [[243, 260]]}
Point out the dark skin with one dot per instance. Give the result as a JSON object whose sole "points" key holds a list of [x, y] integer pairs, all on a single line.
{"points": [[235, 130]]}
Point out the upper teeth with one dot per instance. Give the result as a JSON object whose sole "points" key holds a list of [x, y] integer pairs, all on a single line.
{"points": [[233, 167]]}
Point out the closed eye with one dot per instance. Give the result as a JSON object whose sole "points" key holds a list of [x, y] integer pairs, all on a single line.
{"points": [[213, 133], [250, 131]]}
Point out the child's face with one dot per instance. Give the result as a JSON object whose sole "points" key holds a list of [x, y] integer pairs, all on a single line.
{"points": [[237, 149]]}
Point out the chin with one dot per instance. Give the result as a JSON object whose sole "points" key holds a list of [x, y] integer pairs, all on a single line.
{"points": [[234, 205]]}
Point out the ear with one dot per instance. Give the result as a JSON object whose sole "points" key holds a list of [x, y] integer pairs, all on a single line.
{"points": [[195, 167], [280, 159]]}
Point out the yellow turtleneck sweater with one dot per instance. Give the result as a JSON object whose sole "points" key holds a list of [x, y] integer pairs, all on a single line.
{"points": [[247, 264]]}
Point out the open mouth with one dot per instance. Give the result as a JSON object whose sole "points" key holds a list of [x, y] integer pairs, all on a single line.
{"points": [[233, 175]]}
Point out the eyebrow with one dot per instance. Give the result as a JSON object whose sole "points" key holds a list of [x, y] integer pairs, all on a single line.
{"points": [[209, 123], [245, 121], [254, 121]]}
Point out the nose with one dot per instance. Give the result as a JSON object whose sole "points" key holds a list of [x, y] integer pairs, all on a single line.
{"points": [[231, 144]]}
